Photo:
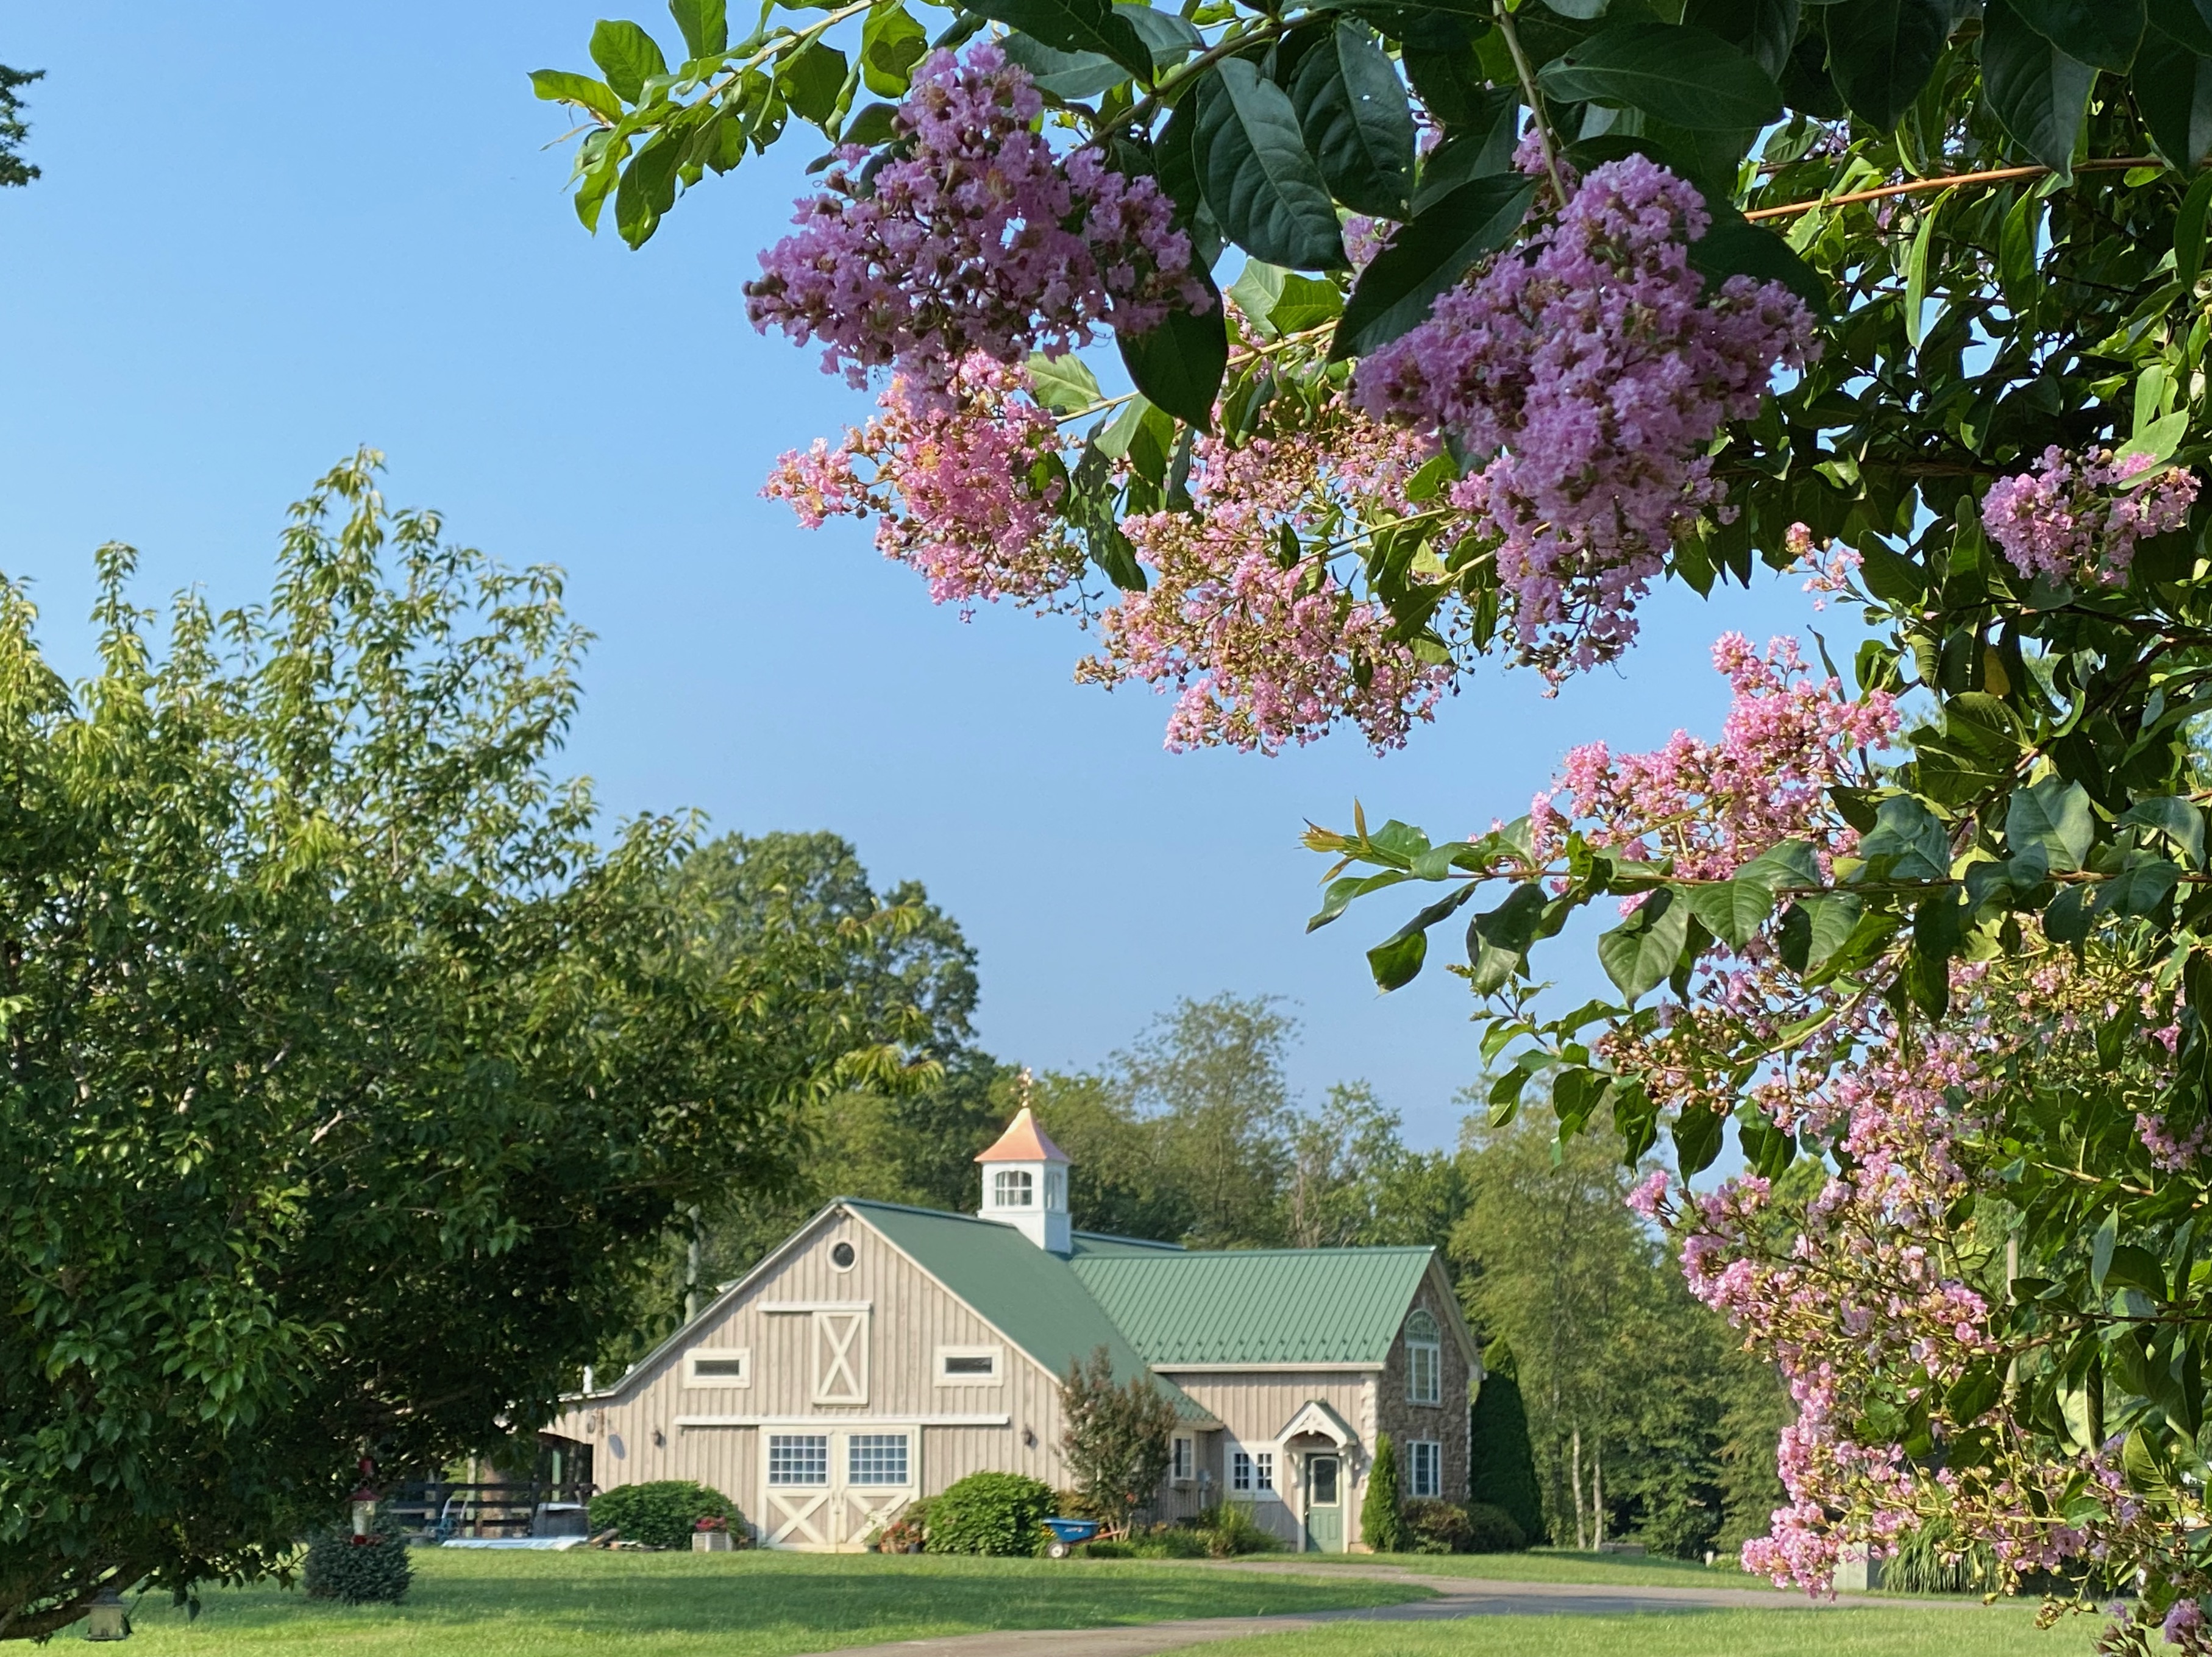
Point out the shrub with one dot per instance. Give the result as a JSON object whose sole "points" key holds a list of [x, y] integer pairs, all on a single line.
{"points": [[663, 1513], [1492, 1529], [1171, 1542], [360, 1570], [1434, 1526], [991, 1513], [1380, 1525], [1230, 1529], [1920, 1565], [1111, 1550]]}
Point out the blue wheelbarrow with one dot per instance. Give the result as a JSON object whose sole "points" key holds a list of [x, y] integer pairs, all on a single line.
{"points": [[1067, 1534]]}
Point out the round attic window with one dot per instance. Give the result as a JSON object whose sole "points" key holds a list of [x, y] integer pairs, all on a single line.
{"points": [[841, 1257]]}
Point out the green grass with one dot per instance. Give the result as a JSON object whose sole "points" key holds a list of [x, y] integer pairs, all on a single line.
{"points": [[583, 1604], [1555, 1565], [1948, 1631]]}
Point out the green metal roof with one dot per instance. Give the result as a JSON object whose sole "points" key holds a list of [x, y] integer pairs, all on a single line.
{"points": [[1033, 1297], [1258, 1306], [1105, 1243]]}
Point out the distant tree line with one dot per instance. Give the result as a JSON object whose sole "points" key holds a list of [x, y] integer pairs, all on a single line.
{"points": [[1646, 1420]]}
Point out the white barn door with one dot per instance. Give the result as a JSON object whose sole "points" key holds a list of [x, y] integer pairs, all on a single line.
{"points": [[830, 1489]]}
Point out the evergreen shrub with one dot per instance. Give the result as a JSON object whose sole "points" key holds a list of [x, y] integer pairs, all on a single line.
{"points": [[359, 1570], [1501, 1462], [1492, 1530], [664, 1512], [991, 1513], [1380, 1526]]}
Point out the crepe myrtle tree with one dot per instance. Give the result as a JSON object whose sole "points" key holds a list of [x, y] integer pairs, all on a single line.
{"points": [[344, 1060], [1536, 305]]}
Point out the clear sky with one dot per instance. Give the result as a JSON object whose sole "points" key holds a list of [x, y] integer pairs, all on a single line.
{"points": [[269, 232]]}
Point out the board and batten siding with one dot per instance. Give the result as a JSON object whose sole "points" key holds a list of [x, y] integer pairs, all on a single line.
{"points": [[636, 1428], [1254, 1406]]}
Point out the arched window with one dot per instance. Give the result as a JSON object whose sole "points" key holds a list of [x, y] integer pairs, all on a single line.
{"points": [[1424, 1359], [1055, 1187], [1013, 1187]]}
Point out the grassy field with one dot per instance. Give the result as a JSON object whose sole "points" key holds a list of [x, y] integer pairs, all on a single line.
{"points": [[582, 1604], [1553, 1565], [1948, 1631]]}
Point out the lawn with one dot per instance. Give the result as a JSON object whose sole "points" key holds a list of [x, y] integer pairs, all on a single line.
{"points": [[583, 1604], [1967, 1630]]}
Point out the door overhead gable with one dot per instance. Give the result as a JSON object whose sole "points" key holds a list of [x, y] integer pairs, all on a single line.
{"points": [[1317, 1417]]}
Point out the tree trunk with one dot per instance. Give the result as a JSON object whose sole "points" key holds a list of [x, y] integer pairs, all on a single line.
{"points": [[1597, 1490], [1575, 1482], [691, 1264]]}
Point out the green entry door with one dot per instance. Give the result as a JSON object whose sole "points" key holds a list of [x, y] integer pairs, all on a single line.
{"points": [[1324, 1504]]}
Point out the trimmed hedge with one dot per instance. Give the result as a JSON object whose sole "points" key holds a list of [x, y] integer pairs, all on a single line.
{"points": [[991, 1513], [1433, 1526], [359, 1570], [663, 1513]]}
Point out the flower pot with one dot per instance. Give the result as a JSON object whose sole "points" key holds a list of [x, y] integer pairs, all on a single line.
{"points": [[711, 1542]]}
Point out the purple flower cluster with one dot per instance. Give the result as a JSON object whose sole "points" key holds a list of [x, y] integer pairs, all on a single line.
{"points": [[2074, 519], [976, 238], [1591, 369]]}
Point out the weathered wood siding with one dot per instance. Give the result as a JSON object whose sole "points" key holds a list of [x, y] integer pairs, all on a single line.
{"points": [[636, 1428]]}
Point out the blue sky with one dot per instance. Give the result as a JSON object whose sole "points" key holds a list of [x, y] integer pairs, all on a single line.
{"points": [[268, 234]]}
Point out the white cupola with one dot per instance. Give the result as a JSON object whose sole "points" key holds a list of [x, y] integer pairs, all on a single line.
{"points": [[1025, 1184]]}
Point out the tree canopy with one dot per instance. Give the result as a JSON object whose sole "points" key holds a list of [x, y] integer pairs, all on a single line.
{"points": [[344, 1063]]}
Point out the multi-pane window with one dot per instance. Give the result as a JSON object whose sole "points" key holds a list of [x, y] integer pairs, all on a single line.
{"points": [[1179, 1463], [798, 1459], [1252, 1472], [1013, 1187], [876, 1459], [1425, 1360], [1424, 1468]]}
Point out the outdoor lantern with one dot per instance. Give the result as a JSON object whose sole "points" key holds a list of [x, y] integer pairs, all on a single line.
{"points": [[364, 1510], [107, 1620]]}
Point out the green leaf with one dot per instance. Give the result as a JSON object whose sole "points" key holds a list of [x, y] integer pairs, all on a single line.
{"points": [[1915, 276], [1697, 1133], [1072, 77], [1908, 841], [2141, 887], [1180, 364], [1342, 892], [627, 56], [2067, 920], [1880, 53], [1306, 303], [1498, 940], [1257, 288], [2158, 439], [1471, 154], [1764, 30], [1734, 247], [812, 80], [1396, 962], [566, 87], [1687, 77], [1974, 1392], [1062, 384], [1253, 167], [1075, 26], [2102, 34], [647, 188], [1790, 863], [2037, 91], [1815, 928], [891, 44], [1766, 1147], [2180, 821], [705, 23], [1427, 255], [2172, 85], [1640, 953], [2050, 827], [1734, 910], [1351, 107]]}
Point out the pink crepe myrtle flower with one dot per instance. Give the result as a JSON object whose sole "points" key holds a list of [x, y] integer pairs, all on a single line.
{"points": [[2079, 517], [1589, 370], [974, 238]]}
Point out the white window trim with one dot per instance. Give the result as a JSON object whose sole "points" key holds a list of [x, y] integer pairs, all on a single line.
{"points": [[996, 1354], [1256, 1492], [1183, 1450], [1433, 1345], [1436, 1459], [743, 1355]]}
